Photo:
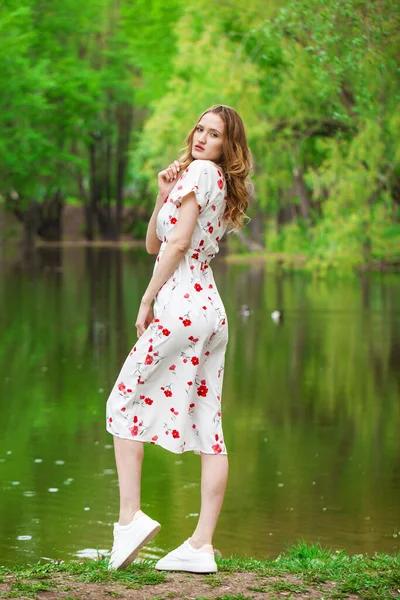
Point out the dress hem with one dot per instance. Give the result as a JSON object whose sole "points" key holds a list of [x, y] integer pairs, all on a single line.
{"points": [[186, 449]]}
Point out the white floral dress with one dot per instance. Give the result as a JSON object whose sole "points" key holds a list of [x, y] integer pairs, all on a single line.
{"points": [[169, 389]]}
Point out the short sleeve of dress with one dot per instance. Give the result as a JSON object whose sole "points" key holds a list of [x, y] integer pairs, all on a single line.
{"points": [[196, 178]]}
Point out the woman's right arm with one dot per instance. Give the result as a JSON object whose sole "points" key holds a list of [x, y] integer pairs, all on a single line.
{"points": [[152, 242], [166, 181]]}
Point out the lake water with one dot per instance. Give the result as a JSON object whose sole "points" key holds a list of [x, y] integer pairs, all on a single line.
{"points": [[311, 410]]}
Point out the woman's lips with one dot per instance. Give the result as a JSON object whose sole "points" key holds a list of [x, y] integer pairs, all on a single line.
{"points": [[199, 148]]}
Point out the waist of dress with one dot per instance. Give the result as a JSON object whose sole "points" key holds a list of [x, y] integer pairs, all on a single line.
{"points": [[195, 253]]}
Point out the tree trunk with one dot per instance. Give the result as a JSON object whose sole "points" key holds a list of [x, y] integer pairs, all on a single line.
{"points": [[125, 123], [91, 205], [302, 193], [50, 218]]}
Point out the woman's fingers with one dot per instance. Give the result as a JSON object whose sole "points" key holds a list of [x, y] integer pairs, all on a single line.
{"points": [[170, 174], [172, 170]]}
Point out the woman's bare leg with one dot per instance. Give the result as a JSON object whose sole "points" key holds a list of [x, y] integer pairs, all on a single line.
{"points": [[214, 477], [129, 458]]}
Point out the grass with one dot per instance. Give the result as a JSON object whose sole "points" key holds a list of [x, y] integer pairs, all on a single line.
{"points": [[298, 569]]}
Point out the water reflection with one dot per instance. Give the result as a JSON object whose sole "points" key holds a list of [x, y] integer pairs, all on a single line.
{"points": [[311, 409]]}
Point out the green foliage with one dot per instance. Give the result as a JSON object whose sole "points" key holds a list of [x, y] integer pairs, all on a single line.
{"points": [[315, 82]]}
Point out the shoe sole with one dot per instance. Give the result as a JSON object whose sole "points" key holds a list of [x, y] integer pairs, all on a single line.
{"points": [[132, 555], [190, 568]]}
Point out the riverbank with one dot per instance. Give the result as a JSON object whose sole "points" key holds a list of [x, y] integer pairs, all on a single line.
{"points": [[280, 259], [303, 571]]}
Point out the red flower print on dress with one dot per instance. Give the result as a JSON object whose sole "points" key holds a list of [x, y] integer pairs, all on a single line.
{"points": [[175, 434], [201, 243], [135, 419], [186, 322], [190, 382], [123, 409], [217, 449], [214, 207], [220, 184], [110, 419], [176, 413], [173, 220], [210, 229], [197, 287], [154, 439], [172, 368], [202, 390], [193, 339], [168, 393], [121, 386], [195, 255], [134, 430], [148, 401], [166, 332], [186, 296], [195, 360], [148, 360]]}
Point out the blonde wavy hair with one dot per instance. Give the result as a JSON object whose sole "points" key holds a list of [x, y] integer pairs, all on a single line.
{"points": [[235, 162]]}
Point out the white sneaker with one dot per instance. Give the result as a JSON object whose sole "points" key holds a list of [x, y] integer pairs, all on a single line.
{"points": [[187, 558], [129, 539]]}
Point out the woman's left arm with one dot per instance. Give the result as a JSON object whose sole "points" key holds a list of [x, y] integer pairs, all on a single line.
{"points": [[176, 248]]}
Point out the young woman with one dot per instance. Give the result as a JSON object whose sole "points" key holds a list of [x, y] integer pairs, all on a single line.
{"points": [[169, 389]]}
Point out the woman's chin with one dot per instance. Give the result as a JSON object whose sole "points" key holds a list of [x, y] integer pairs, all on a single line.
{"points": [[199, 154]]}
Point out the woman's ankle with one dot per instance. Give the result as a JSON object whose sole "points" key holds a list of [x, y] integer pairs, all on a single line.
{"points": [[127, 517], [201, 544]]}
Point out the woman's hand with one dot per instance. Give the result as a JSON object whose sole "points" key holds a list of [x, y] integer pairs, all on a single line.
{"points": [[167, 178], [144, 318]]}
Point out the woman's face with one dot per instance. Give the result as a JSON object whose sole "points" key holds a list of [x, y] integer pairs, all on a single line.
{"points": [[208, 137]]}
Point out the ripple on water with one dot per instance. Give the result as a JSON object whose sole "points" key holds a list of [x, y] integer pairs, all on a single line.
{"points": [[24, 538]]}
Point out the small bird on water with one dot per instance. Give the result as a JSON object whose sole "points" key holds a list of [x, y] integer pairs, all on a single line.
{"points": [[277, 316], [245, 310]]}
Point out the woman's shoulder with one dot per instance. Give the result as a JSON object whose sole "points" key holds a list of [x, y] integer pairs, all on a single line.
{"points": [[206, 170], [205, 164]]}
